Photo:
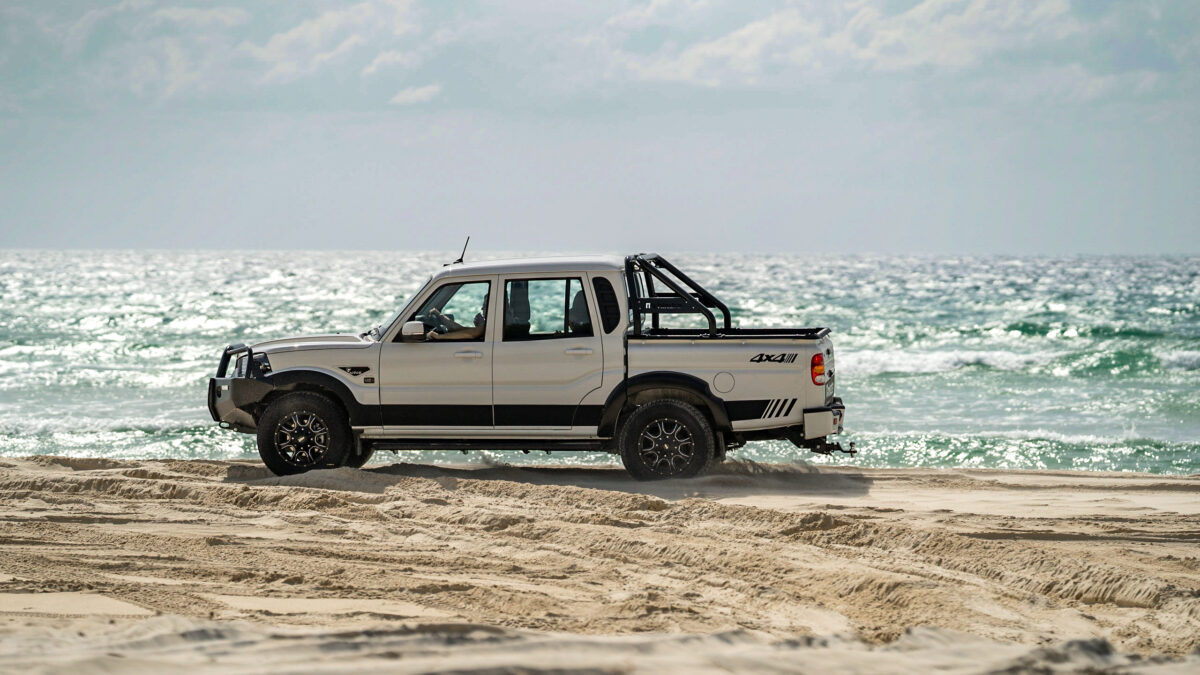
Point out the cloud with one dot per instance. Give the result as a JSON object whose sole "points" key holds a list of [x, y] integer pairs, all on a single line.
{"points": [[740, 55], [654, 12], [306, 47], [942, 34], [415, 95], [951, 33], [388, 59], [203, 18], [79, 32], [974, 51]]}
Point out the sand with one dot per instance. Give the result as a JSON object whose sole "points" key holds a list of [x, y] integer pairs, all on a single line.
{"points": [[143, 565]]}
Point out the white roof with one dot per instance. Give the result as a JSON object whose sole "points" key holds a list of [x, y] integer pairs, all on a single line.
{"points": [[575, 263]]}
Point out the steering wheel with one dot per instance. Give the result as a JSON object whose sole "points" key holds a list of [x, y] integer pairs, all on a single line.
{"points": [[439, 323]]}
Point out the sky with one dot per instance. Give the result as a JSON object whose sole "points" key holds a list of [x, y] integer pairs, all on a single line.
{"points": [[1044, 127]]}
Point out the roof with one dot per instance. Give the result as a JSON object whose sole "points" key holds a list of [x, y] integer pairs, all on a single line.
{"points": [[577, 263]]}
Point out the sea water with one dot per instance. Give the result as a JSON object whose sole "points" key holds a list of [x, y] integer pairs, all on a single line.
{"points": [[1007, 362]]}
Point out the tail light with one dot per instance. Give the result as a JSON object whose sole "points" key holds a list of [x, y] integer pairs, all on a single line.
{"points": [[818, 370]]}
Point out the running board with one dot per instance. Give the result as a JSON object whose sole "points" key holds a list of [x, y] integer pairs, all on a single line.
{"points": [[484, 444]]}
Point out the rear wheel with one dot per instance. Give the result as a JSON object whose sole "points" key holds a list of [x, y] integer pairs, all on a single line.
{"points": [[302, 431], [665, 439]]}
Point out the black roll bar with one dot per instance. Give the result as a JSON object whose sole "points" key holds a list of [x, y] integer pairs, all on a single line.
{"points": [[223, 367], [681, 301]]}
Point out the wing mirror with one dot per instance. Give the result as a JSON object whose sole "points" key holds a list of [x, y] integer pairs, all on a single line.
{"points": [[412, 331]]}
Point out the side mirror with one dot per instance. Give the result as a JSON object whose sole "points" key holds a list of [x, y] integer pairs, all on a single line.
{"points": [[412, 331]]}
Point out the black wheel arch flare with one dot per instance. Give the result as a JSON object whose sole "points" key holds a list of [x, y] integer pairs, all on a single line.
{"points": [[312, 380], [700, 393]]}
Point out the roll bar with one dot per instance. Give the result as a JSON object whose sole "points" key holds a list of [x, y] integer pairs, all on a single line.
{"points": [[680, 300]]}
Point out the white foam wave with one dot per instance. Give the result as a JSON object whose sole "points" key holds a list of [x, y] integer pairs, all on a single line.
{"points": [[879, 361], [1180, 360], [1123, 438]]}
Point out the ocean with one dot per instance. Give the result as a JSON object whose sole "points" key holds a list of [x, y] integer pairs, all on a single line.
{"points": [[1004, 362]]}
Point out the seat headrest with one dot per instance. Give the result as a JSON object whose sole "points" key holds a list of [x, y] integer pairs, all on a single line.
{"points": [[517, 308], [579, 310], [578, 317]]}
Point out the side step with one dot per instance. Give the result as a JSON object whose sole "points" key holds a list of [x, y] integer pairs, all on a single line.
{"points": [[485, 444]]}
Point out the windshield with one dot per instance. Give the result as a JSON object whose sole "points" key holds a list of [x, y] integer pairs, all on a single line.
{"points": [[377, 332]]}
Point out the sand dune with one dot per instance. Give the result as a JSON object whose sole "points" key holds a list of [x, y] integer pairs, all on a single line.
{"points": [[754, 567]]}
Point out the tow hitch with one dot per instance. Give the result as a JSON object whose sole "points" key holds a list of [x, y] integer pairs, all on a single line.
{"points": [[822, 447]]}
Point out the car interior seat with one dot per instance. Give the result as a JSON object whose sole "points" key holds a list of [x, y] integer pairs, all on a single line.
{"points": [[516, 311], [578, 318]]}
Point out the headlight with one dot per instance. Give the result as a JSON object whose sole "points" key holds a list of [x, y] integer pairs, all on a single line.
{"points": [[261, 366]]}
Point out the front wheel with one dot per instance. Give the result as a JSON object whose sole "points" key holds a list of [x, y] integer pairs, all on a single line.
{"points": [[665, 439], [303, 431]]}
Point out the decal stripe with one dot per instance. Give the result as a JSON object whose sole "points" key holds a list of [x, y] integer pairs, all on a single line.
{"points": [[424, 415], [429, 415], [771, 408], [789, 408], [548, 415], [746, 410], [787, 403]]}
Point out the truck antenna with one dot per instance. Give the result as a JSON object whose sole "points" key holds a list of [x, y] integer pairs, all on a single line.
{"points": [[461, 255]]}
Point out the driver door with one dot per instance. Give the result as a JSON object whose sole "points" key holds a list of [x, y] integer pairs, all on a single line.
{"points": [[441, 386]]}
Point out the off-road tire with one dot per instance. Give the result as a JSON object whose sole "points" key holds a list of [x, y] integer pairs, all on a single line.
{"points": [[718, 458], [302, 431], [664, 439], [356, 461]]}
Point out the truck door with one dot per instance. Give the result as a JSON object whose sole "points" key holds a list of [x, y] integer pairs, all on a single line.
{"points": [[548, 355], [443, 384]]}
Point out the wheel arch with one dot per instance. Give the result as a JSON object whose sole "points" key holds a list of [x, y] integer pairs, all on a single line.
{"points": [[288, 381], [659, 385]]}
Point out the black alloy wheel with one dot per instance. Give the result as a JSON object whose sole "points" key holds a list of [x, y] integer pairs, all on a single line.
{"points": [[663, 439], [666, 446], [302, 439], [302, 431]]}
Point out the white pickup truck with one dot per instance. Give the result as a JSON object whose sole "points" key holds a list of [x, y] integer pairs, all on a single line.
{"points": [[549, 354]]}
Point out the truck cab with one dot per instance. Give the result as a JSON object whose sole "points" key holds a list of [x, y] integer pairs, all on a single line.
{"points": [[554, 354]]}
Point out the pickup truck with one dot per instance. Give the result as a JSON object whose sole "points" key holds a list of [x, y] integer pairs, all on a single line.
{"points": [[553, 354]]}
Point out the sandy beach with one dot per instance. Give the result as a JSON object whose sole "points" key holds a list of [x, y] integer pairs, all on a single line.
{"points": [[141, 565]]}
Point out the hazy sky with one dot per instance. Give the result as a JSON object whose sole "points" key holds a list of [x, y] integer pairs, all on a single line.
{"points": [[977, 126]]}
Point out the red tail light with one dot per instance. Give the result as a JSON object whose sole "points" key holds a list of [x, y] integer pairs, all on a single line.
{"points": [[818, 370]]}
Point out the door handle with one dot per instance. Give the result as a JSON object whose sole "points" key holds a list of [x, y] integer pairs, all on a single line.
{"points": [[468, 354], [578, 351]]}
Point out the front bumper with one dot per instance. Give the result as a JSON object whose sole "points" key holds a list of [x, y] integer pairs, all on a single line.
{"points": [[231, 399]]}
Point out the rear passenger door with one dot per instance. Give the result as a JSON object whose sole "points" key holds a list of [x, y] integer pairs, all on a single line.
{"points": [[548, 355]]}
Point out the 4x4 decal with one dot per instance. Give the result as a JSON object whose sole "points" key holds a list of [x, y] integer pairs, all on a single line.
{"points": [[786, 357]]}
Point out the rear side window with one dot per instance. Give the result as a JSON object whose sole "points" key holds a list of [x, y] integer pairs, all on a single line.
{"points": [[606, 298], [544, 309]]}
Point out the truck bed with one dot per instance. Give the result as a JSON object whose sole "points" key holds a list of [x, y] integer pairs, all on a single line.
{"points": [[736, 334]]}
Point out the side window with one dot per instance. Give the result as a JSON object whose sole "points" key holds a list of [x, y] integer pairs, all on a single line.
{"points": [[542, 309], [456, 311], [606, 298]]}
